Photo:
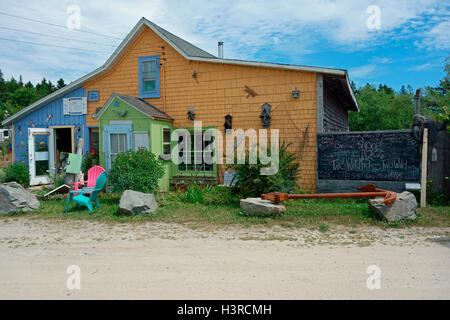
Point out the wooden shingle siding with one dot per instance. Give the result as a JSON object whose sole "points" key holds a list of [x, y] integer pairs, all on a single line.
{"points": [[335, 117], [218, 91]]}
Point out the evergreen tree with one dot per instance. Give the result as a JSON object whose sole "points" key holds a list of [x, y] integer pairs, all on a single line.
{"points": [[3, 89], [403, 90], [12, 85], [60, 84], [29, 85]]}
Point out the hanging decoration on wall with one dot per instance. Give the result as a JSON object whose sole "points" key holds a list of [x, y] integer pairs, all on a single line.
{"points": [[122, 114], [194, 76], [97, 110], [250, 92], [19, 130], [228, 122], [265, 115], [116, 104], [32, 124], [21, 145], [93, 95], [295, 93], [191, 114], [49, 117]]}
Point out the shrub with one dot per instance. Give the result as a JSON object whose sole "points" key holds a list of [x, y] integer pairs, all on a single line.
{"points": [[18, 172], [251, 183], [208, 195], [194, 193], [2, 175], [4, 148], [433, 198], [58, 179], [217, 195], [136, 170]]}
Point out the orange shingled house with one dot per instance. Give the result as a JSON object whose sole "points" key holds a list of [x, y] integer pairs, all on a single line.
{"points": [[161, 77]]}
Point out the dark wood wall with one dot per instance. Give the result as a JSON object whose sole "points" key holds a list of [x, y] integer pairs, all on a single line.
{"points": [[335, 115]]}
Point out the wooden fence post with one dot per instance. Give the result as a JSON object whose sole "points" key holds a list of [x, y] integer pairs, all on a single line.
{"points": [[423, 180]]}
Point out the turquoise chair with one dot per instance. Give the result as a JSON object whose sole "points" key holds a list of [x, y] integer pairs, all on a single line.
{"points": [[87, 201]]}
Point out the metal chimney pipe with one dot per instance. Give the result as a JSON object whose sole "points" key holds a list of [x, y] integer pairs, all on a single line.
{"points": [[220, 49], [417, 102]]}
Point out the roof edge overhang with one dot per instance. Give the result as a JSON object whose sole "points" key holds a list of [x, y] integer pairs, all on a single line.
{"points": [[107, 104], [79, 82]]}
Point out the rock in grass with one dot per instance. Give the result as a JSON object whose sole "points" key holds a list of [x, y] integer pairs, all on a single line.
{"points": [[137, 202], [14, 197], [259, 207], [404, 208]]}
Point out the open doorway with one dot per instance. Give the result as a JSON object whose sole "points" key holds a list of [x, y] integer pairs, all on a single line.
{"points": [[64, 144]]}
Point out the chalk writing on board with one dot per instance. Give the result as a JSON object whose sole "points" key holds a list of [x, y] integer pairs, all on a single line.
{"points": [[377, 156]]}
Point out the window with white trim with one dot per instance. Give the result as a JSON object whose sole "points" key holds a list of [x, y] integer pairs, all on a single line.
{"points": [[149, 77], [187, 157]]}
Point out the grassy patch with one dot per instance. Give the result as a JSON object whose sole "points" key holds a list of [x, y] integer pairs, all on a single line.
{"points": [[2, 175], [313, 214], [323, 227]]}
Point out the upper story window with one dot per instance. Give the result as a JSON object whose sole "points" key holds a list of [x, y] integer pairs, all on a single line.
{"points": [[149, 77]]}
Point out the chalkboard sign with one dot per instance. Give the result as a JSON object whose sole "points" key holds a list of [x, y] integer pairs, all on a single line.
{"points": [[375, 156]]}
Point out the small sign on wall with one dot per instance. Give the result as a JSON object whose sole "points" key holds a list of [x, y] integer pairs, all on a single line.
{"points": [[75, 106], [93, 96]]}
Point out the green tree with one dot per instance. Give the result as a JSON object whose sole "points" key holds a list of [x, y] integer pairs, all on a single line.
{"points": [[12, 85], [24, 97], [60, 84], [3, 89], [381, 109], [385, 109], [436, 98]]}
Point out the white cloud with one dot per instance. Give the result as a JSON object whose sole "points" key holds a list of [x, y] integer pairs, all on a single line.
{"points": [[363, 72], [435, 63], [425, 66], [437, 37], [382, 60]]}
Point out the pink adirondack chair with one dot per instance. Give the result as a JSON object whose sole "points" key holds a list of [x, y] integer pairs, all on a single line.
{"points": [[93, 174]]}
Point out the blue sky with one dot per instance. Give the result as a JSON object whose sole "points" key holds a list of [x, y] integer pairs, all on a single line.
{"points": [[408, 45]]}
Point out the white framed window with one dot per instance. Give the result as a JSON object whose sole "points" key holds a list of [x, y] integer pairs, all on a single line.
{"points": [[149, 86], [118, 143], [149, 76], [166, 141], [75, 106], [141, 140]]}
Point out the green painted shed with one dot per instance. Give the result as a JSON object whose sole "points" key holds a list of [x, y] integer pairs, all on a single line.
{"points": [[129, 123]]}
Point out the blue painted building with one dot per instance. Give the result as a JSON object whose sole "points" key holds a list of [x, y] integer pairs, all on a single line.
{"points": [[50, 129]]}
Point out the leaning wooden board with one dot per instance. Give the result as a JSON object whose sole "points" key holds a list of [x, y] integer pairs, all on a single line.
{"points": [[373, 156]]}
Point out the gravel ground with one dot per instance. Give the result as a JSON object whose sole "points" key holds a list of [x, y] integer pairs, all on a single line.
{"points": [[171, 261]]}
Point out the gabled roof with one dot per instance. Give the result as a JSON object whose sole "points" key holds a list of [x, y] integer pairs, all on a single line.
{"points": [[188, 51], [137, 103]]}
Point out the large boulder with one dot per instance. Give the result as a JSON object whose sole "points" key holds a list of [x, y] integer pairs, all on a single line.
{"points": [[14, 197], [259, 207], [404, 208], [137, 202]]}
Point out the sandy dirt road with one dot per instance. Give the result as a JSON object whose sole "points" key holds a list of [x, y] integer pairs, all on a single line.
{"points": [[168, 261]]}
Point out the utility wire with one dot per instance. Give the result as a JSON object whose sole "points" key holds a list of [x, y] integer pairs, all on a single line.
{"points": [[57, 37], [52, 45], [58, 25]]}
